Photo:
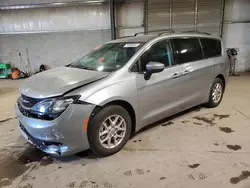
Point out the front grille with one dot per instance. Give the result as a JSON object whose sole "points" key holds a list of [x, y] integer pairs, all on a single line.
{"points": [[23, 110], [28, 113], [29, 102]]}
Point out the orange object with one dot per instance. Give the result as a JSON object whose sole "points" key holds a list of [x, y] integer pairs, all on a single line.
{"points": [[16, 74], [86, 123]]}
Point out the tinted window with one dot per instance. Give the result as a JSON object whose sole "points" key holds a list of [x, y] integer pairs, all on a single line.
{"points": [[186, 50], [159, 52], [211, 47], [135, 67]]}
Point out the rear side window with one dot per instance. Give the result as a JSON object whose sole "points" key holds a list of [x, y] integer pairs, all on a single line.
{"points": [[186, 50], [211, 47]]}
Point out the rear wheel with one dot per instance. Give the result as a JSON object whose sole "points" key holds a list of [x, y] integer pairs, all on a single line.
{"points": [[109, 130], [216, 93]]}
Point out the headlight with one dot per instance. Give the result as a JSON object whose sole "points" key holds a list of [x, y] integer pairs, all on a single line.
{"points": [[53, 106]]}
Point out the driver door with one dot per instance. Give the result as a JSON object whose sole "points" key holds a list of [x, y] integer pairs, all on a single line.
{"points": [[159, 96]]}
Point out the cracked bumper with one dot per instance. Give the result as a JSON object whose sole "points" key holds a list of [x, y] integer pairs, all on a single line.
{"points": [[63, 136]]}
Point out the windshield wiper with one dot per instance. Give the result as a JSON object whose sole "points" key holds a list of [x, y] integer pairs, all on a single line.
{"points": [[82, 67], [69, 65]]}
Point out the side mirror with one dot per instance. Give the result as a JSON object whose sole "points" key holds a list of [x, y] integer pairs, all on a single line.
{"points": [[153, 67]]}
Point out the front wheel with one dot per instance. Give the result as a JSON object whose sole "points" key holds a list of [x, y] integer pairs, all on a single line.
{"points": [[216, 93], [109, 130]]}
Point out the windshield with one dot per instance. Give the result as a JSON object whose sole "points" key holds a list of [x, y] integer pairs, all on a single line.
{"points": [[108, 57]]}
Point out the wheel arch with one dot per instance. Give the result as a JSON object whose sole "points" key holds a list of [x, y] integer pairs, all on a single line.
{"points": [[126, 105], [222, 78]]}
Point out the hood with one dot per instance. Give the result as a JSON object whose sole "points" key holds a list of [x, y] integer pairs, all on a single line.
{"points": [[58, 81]]}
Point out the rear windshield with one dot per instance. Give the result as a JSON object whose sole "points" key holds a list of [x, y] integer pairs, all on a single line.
{"points": [[108, 57]]}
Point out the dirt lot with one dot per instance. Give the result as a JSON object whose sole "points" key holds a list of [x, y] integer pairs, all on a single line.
{"points": [[198, 148]]}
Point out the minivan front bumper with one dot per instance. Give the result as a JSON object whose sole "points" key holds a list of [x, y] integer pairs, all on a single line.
{"points": [[60, 137]]}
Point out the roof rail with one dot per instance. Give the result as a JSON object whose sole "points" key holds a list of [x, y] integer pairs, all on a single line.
{"points": [[163, 31], [195, 31], [166, 32], [126, 36]]}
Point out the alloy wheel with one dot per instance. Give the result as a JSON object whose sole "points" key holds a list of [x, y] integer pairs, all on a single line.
{"points": [[112, 131], [217, 92]]}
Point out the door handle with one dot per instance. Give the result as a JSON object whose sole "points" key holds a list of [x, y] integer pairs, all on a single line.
{"points": [[176, 75], [186, 72]]}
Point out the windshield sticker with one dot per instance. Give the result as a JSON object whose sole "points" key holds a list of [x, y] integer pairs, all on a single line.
{"points": [[101, 60], [131, 45]]}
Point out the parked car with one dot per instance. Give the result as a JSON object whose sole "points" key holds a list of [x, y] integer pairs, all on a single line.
{"points": [[116, 89]]}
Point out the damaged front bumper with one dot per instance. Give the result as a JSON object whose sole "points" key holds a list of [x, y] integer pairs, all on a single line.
{"points": [[60, 137]]}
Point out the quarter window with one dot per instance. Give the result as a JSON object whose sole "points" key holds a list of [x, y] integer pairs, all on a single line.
{"points": [[211, 47], [186, 50], [135, 67], [159, 52]]}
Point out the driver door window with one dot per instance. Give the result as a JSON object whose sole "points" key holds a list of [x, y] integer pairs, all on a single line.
{"points": [[159, 52]]}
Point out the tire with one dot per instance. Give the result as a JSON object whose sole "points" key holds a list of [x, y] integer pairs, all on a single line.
{"points": [[96, 127], [212, 103]]}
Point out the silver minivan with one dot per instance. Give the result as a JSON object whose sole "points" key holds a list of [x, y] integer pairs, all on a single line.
{"points": [[119, 87]]}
